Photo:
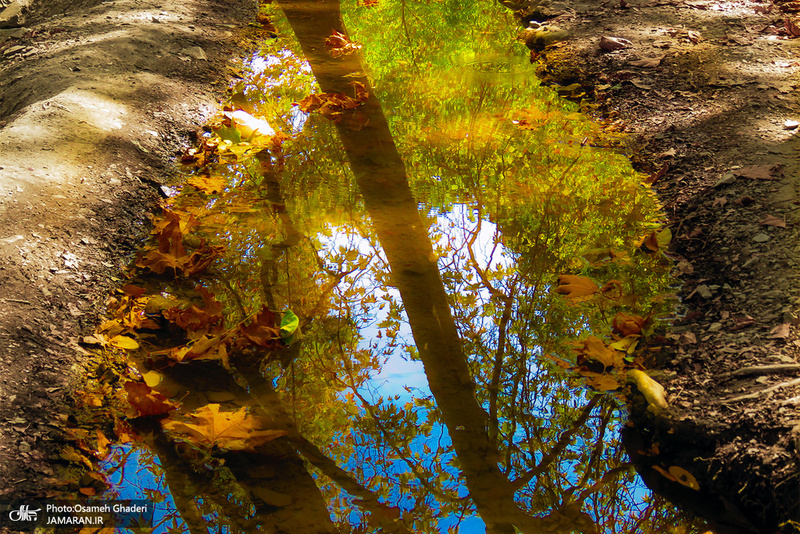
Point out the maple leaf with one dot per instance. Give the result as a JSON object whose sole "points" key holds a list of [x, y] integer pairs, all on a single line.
{"points": [[233, 431], [146, 400], [208, 184], [596, 356], [576, 288]]}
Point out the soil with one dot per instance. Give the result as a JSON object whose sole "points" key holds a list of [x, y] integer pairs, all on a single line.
{"points": [[96, 99], [708, 91]]}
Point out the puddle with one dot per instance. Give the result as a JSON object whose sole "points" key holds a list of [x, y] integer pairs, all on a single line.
{"points": [[357, 313]]}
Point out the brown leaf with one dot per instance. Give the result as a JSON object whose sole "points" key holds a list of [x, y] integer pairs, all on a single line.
{"points": [[609, 44], [628, 325], [236, 431], [262, 331], [647, 62], [781, 331], [771, 220], [758, 172], [576, 288]]}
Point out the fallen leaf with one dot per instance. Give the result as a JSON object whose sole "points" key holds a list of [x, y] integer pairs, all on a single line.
{"points": [[147, 401], [668, 154], [123, 342], [236, 431], [780, 332], [771, 220], [652, 390], [609, 44], [596, 356], [628, 325], [682, 476], [604, 382], [694, 36], [758, 172], [339, 45], [647, 62], [576, 288], [262, 330], [719, 201]]}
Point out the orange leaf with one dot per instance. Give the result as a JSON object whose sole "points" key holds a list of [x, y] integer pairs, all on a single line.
{"points": [[628, 325], [236, 431], [339, 44], [596, 356], [146, 400], [576, 288]]}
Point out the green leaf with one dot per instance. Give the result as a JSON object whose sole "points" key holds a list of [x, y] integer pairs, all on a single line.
{"points": [[289, 325]]}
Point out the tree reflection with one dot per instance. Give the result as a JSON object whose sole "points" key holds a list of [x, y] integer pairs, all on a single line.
{"points": [[323, 222]]}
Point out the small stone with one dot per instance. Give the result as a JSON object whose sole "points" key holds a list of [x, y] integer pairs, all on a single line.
{"points": [[790, 125], [703, 291], [761, 238], [715, 327], [727, 179], [13, 50], [12, 17], [194, 52]]}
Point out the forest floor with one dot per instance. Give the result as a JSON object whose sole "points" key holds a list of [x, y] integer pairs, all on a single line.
{"points": [[709, 91], [96, 99]]}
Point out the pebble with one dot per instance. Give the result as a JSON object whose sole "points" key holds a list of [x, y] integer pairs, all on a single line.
{"points": [[761, 238], [703, 291], [727, 179]]}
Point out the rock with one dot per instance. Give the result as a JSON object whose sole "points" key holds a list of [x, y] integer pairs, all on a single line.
{"points": [[784, 194], [12, 16], [790, 125], [14, 33], [761, 238], [194, 52], [13, 50], [704, 291], [727, 179]]}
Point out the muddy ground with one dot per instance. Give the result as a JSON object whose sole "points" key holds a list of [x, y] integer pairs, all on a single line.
{"points": [[96, 99], [709, 91]]}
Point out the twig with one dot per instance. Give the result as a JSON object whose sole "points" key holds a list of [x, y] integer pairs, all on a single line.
{"points": [[764, 391], [18, 301], [763, 370]]}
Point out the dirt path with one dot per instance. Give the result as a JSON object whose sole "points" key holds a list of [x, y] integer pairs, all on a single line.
{"points": [[95, 100], [709, 88]]}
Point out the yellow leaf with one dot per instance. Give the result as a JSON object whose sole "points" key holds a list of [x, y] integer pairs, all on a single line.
{"points": [[682, 476], [576, 288], [627, 344], [124, 342], [604, 383], [152, 378], [652, 390], [227, 430]]}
